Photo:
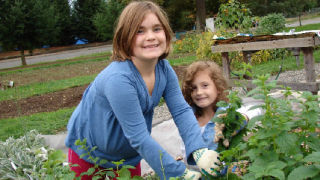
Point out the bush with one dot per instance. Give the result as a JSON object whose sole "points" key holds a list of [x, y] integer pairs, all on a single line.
{"points": [[204, 49], [27, 158], [188, 44], [271, 24], [234, 15], [284, 141]]}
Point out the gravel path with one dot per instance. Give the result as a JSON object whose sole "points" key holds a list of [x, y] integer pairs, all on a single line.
{"points": [[297, 76]]}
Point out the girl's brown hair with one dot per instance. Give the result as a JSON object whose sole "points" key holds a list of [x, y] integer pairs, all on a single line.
{"points": [[128, 26], [215, 74]]}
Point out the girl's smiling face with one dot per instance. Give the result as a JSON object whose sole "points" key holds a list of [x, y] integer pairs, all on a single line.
{"points": [[204, 92], [150, 40]]}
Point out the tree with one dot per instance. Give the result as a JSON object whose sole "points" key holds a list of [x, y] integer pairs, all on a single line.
{"points": [[297, 7], [26, 24], [286, 7], [181, 14], [64, 26], [200, 15], [104, 21], [82, 16]]}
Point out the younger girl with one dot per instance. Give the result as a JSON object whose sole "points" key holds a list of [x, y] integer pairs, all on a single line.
{"points": [[115, 113], [203, 86]]}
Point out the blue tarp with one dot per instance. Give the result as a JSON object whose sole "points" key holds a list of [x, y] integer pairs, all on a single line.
{"points": [[82, 41]]}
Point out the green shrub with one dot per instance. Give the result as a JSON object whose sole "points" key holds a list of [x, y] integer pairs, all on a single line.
{"points": [[204, 50], [271, 24], [188, 44], [27, 158], [283, 142], [234, 15]]}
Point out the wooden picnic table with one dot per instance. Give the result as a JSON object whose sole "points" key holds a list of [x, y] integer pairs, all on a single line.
{"points": [[250, 44]]}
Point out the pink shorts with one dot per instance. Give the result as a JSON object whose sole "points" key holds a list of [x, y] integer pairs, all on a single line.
{"points": [[83, 166]]}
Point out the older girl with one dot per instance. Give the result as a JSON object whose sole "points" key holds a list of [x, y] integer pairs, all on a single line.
{"points": [[115, 113]]}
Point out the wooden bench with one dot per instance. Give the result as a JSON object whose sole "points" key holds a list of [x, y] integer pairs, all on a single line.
{"points": [[305, 42]]}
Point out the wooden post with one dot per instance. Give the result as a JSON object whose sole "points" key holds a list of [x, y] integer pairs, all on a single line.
{"points": [[309, 64], [226, 65], [245, 56], [296, 53]]}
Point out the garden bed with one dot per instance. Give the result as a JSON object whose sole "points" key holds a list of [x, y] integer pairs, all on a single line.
{"points": [[51, 101]]}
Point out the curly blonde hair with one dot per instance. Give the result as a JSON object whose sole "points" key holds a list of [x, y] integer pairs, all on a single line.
{"points": [[215, 74]]}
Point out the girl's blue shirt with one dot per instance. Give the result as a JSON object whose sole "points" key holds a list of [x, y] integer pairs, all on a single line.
{"points": [[115, 115], [209, 132]]}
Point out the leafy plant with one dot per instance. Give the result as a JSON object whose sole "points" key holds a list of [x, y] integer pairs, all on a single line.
{"points": [[97, 172], [283, 143], [204, 50], [233, 121], [234, 15], [188, 44], [271, 24], [28, 158]]}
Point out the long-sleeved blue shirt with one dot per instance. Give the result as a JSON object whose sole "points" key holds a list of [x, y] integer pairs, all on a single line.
{"points": [[115, 115]]}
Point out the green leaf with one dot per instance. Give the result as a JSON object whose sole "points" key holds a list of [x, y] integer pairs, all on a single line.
{"points": [[222, 104], [124, 173], [249, 176], [103, 161], [128, 167], [276, 173], [118, 163], [303, 172], [96, 177], [287, 142], [78, 142], [314, 157], [252, 123], [276, 165], [89, 172], [137, 178], [110, 174], [82, 156], [57, 155], [313, 143]]}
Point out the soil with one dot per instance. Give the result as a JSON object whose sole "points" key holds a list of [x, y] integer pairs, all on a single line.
{"points": [[50, 102]]}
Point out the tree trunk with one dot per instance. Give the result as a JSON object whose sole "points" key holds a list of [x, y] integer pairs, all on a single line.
{"points": [[300, 19], [201, 15], [23, 58]]}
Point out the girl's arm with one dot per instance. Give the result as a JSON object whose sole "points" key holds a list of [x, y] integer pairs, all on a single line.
{"points": [[182, 114]]}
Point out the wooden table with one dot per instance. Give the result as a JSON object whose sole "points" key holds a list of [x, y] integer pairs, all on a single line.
{"points": [[305, 42]]}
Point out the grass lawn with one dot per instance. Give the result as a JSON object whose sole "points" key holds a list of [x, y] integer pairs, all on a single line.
{"points": [[45, 123], [304, 28]]}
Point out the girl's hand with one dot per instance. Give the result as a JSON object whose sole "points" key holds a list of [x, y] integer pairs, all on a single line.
{"points": [[219, 127], [191, 175], [207, 161]]}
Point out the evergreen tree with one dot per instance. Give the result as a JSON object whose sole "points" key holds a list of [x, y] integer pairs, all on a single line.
{"points": [[105, 20], [64, 26], [26, 24], [82, 17]]}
